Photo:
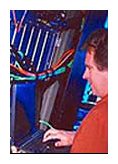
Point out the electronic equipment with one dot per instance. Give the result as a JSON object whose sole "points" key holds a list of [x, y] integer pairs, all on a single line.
{"points": [[28, 138], [35, 145]]}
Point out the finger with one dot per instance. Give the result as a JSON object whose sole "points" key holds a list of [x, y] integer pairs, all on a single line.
{"points": [[47, 138], [58, 144], [50, 137], [48, 133]]}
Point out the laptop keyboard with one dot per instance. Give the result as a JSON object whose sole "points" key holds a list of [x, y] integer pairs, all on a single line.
{"points": [[35, 145]]}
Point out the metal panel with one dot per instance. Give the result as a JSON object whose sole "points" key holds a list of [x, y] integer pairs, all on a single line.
{"points": [[48, 102]]}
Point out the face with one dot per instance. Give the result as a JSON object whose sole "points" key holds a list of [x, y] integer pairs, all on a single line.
{"points": [[97, 79]]}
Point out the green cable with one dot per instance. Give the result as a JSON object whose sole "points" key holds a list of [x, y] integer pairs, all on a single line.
{"points": [[46, 123], [15, 77]]}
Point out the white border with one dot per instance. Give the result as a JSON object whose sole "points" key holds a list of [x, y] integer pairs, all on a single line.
{"points": [[5, 6]]}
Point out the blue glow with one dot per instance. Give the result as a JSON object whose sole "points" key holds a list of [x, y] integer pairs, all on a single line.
{"points": [[106, 23], [86, 93], [81, 113]]}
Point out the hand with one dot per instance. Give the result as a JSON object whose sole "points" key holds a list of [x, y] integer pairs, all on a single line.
{"points": [[65, 137]]}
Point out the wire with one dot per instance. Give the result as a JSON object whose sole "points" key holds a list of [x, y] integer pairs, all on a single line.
{"points": [[14, 18], [46, 123], [55, 70]]}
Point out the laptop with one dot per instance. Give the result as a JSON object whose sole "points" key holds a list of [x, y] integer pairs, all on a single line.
{"points": [[26, 135]]}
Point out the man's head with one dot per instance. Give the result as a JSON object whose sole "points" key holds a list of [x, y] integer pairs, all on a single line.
{"points": [[97, 62]]}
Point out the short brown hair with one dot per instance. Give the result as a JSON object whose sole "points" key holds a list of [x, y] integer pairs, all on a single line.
{"points": [[98, 41]]}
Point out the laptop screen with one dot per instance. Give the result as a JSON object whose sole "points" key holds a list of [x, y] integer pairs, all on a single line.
{"points": [[29, 105]]}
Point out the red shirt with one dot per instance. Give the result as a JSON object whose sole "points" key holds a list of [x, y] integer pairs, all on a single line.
{"points": [[92, 136]]}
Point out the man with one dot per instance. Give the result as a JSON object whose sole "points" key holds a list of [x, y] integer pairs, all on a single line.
{"points": [[92, 136]]}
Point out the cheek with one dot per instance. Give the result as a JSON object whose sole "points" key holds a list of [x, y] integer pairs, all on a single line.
{"points": [[97, 82], [94, 79]]}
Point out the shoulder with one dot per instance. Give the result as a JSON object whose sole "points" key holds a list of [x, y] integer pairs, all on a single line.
{"points": [[97, 115]]}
